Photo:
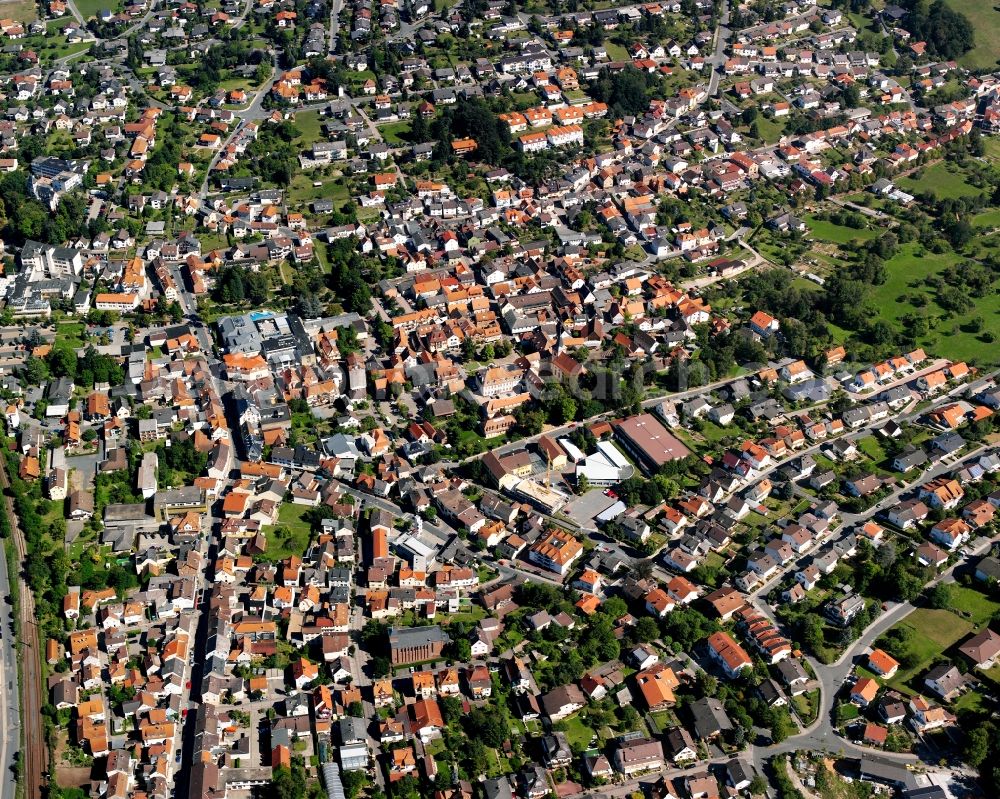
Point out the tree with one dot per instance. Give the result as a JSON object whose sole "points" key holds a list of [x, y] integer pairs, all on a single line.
{"points": [[287, 783], [948, 33], [353, 782], [62, 362], [977, 744], [906, 584], [488, 724], [625, 91], [780, 724], [477, 758], [35, 371], [646, 629], [451, 709], [472, 118], [942, 596]]}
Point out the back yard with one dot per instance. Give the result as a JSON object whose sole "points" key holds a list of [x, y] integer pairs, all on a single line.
{"points": [[925, 634]]}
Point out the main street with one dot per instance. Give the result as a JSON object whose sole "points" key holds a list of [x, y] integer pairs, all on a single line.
{"points": [[718, 58]]}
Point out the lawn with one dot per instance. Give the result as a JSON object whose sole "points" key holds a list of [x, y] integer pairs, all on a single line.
{"points": [[663, 719], [89, 8], [713, 433], [616, 52], [971, 702], [290, 536], [907, 271], [578, 734], [70, 334], [985, 21], [21, 10], [395, 133], [310, 125], [806, 706], [992, 147], [989, 219], [770, 130], [943, 180], [301, 189], [991, 675], [932, 633], [824, 230], [871, 447], [972, 605]]}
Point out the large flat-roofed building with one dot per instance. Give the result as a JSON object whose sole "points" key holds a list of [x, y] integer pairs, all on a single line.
{"points": [[649, 442], [545, 498], [420, 555], [416, 644]]}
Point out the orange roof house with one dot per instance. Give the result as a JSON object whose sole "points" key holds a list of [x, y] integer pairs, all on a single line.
{"points": [[656, 684], [864, 691], [882, 663]]}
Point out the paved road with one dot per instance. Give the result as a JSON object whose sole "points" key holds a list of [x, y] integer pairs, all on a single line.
{"points": [[71, 5], [335, 8], [718, 59], [821, 735], [253, 112]]}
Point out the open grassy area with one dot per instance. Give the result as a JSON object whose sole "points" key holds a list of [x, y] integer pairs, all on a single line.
{"points": [[309, 123], [985, 21], [825, 230], [770, 129], [70, 334], [972, 605], [873, 448], [988, 220], [578, 734], [948, 334], [301, 189], [21, 10], [806, 706], [290, 536], [942, 179], [89, 8], [932, 632], [395, 133], [616, 52]]}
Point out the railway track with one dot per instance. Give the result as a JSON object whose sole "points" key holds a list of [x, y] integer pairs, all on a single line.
{"points": [[34, 751]]}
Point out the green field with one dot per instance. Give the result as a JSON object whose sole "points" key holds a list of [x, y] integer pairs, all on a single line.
{"points": [[395, 133], [70, 334], [942, 180], [309, 123], [298, 531], [616, 52], [825, 230], [988, 220], [89, 8], [301, 189], [871, 447], [985, 21], [972, 605], [907, 271], [578, 734], [932, 633], [21, 10], [770, 130]]}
